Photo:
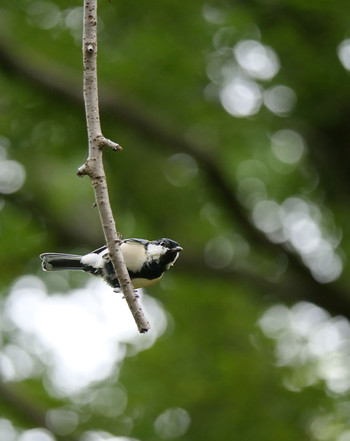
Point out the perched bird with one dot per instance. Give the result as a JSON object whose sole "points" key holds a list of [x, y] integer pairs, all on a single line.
{"points": [[145, 260]]}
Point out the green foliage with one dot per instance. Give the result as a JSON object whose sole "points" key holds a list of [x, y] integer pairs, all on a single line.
{"points": [[257, 197]]}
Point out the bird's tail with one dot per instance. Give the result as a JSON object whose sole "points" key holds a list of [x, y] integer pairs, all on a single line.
{"points": [[59, 261]]}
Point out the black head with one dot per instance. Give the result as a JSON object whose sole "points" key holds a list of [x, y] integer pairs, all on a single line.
{"points": [[169, 252], [168, 243], [163, 252]]}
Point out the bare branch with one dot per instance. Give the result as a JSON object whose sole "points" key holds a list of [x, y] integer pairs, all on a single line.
{"points": [[93, 166]]}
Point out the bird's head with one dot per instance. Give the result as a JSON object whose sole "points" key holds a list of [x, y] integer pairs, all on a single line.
{"points": [[163, 251]]}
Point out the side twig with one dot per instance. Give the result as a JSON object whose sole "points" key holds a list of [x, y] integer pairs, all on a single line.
{"points": [[93, 166]]}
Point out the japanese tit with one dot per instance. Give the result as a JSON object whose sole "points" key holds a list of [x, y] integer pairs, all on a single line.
{"points": [[145, 260]]}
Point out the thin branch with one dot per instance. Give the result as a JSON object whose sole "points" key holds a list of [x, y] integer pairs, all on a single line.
{"points": [[93, 166]]}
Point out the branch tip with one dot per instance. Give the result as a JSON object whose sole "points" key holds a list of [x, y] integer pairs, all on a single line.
{"points": [[144, 330], [105, 142]]}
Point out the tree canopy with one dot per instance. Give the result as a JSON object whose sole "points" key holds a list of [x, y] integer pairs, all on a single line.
{"points": [[233, 118]]}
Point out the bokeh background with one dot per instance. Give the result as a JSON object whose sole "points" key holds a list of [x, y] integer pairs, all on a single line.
{"points": [[234, 117]]}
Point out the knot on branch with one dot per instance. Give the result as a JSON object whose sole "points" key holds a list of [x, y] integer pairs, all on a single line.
{"points": [[83, 170], [90, 47], [103, 142], [87, 168]]}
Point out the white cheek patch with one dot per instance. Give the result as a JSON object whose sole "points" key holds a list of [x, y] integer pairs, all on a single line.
{"points": [[94, 260], [154, 252]]}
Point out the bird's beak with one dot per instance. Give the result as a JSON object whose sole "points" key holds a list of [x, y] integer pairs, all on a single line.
{"points": [[178, 248]]}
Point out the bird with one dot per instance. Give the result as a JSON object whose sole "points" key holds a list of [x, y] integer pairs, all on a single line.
{"points": [[145, 260]]}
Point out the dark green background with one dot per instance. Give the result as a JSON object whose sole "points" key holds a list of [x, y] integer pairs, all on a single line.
{"points": [[214, 361]]}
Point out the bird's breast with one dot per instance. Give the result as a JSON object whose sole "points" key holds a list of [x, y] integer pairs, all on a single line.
{"points": [[134, 255]]}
